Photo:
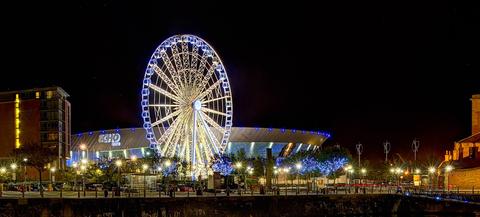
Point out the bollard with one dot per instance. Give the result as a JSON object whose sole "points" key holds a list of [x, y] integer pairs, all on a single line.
{"points": [[96, 192]]}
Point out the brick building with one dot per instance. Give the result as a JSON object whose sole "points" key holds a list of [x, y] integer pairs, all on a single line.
{"points": [[465, 156], [37, 116]]}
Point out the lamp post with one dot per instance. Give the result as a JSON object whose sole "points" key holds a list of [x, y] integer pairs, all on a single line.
{"points": [[145, 168], [25, 160], [364, 172], [83, 168], [448, 169], [52, 176], [118, 163], [299, 167], [238, 165], [75, 166], [13, 166], [431, 172]]}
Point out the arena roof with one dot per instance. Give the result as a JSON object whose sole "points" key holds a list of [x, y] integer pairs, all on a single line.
{"points": [[135, 137]]}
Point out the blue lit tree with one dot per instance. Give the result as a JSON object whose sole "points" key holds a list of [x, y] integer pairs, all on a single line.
{"points": [[332, 160], [222, 164]]}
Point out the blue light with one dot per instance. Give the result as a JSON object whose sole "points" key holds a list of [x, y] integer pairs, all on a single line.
{"points": [[294, 131], [117, 130], [132, 129], [283, 130], [90, 133], [270, 129], [257, 129], [103, 131], [303, 131], [437, 198]]}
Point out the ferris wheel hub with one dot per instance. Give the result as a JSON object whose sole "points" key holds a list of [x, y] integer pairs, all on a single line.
{"points": [[197, 105]]}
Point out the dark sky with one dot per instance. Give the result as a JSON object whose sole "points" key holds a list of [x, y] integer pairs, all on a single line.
{"points": [[362, 70]]}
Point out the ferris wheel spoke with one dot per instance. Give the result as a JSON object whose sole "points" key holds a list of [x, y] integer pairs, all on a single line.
{"points": [[215, 99], [186, 59], [175, 76], [178, 62], [206, 136], [201, 68], [212, 123], [193, 63], [209, 90], [209, 74], [162, 105], [164, 92], [166, 137], [214, 112], [168, 117], [167, 80], [211, 136]]}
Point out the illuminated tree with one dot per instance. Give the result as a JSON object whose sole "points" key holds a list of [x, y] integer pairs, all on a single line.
{"points": [[223, 165], [38, 157]]}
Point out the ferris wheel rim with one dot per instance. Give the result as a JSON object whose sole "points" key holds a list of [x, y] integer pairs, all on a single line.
{"points": [[225, 86]]}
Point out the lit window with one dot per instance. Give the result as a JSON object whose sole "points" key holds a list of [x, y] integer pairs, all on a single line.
{"points": [[49, 94], [17, 121], [37, 95]]}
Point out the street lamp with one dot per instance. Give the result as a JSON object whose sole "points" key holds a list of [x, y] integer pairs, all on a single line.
{"points": [[24, 173], [52, 176], [83, 168], [238, 165], [448, 169], [299, 167], [417, 171], [13, 166], [431, 171], [145, 168], [118, 163]]}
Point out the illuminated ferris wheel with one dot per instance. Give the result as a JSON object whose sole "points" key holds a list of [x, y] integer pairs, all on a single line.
{"points": [[187, 103]]}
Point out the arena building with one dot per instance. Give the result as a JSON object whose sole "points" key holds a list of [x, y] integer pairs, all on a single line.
{"points": [[128, 142]]}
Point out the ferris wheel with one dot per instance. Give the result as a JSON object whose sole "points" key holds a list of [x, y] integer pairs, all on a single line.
{"points": [[187, 103]]}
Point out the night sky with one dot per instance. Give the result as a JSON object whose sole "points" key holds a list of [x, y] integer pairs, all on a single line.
{"points": [[362, 71]]}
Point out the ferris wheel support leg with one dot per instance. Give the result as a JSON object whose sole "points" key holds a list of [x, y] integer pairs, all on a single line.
{"points": [[194, 141]]}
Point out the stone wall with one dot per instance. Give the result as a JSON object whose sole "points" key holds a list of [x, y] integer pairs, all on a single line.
{"points": [[258, 206], [465, 178]]}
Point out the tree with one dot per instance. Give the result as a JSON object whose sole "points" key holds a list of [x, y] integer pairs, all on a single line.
{"points": [[222, 164], [332, 160], [38, 156]]}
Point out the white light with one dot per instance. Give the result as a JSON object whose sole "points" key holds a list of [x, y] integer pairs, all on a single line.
{"points": [[298, 166], [448, 168], [168, 163], [13, 166], [118, 163], [431, 170]]}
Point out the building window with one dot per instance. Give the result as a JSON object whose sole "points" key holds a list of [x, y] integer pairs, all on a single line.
{"points": [[17, 121], [52, 136], [37, 95], [49, 94]]}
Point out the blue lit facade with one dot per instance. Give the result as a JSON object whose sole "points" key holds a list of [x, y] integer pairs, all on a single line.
{"points": [[128, 142]]}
